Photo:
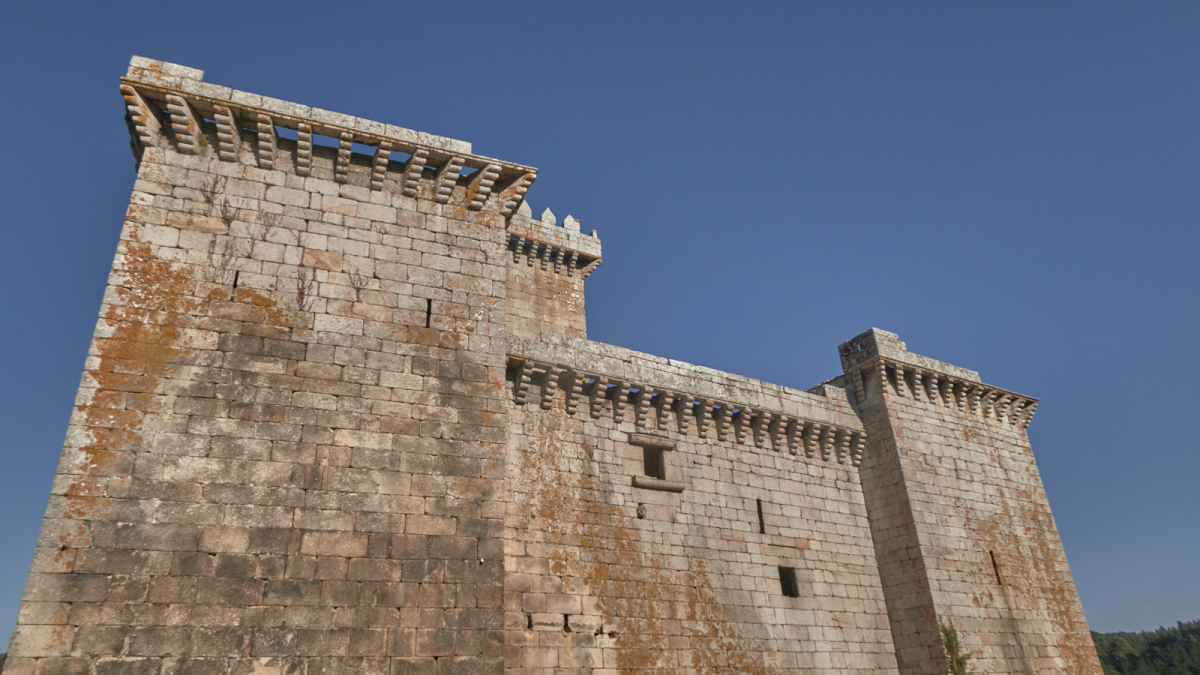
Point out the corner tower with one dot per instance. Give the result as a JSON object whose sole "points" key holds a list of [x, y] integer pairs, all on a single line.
{"points": [[962, 529], [287, 450]]}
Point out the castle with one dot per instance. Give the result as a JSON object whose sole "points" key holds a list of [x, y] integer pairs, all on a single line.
{"points": [[340, 415]]}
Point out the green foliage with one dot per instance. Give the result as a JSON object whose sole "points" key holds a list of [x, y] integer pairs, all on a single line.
{"points": [[1166, 651], [957, 659]]}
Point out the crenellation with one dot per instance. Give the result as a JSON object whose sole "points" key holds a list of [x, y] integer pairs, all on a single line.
{"points": [[308, 459]]}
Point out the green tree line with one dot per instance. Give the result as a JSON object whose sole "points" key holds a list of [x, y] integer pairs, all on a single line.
{"points": [[1166, 651]]}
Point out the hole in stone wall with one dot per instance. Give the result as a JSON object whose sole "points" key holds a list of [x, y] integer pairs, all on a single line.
{"points": [[235, 278], [428, 311], [567, 623], [284, 132], [787, 582], [467, 171], [528, 622], [762, 524], [996, 568], [653, 464], [368, 150], [891, 376]]}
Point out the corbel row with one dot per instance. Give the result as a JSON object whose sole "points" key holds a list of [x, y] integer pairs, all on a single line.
{"points": [[185, 114], [535, 253], [938, 389], [540, 383]]}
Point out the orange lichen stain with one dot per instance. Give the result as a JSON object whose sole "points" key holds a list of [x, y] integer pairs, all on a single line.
{"points": [[146, 335], [663, 617]]}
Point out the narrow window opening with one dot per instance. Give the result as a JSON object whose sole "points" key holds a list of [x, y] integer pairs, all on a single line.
{"points": [[528, 622], [996, 568], [235, 278], [762, 524], [428, 311], [653, 464], [787, 582], [567, 623]]}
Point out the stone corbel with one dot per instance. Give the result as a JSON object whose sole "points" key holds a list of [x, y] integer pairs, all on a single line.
{"points": [[683, 413], [596, 397], [812, 439], [1027, 414], [142, 117], [620, 401], [184, 124], [843, 446], [549, 386], [379, 164], [481, 186], [723, 416], [858, 448], [341, 167], [267, 141], [860, 389], [758, 427], [591, 267], [523, 377], [445, 179], [703, 412], [412, 171], [574, 391], [775, 431], [795, 431], [918, 385], [641, 406], [663, 402], [229, 133], [304, 146], [828, 434], [741, 424], [572, 256], [514, 194], [901, 381]]}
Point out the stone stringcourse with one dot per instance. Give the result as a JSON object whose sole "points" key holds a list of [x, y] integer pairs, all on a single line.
{"points": [[340, 416]]}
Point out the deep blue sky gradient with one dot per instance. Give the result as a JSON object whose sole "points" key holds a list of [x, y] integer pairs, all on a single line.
{"points": [[1011, 187]]}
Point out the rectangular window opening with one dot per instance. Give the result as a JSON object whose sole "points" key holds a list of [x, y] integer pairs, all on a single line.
{"points": [[762, 524], [653, 463], [428, 311], [787, 582], [996, 568]]}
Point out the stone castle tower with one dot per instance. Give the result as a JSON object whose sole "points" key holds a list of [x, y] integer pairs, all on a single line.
{"points": [[340, 416]]}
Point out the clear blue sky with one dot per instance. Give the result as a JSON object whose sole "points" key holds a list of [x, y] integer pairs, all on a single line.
{"points": [[1013, 188]]}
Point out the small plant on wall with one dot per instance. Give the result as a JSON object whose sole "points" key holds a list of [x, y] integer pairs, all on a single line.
{"points": [[957, 659]]}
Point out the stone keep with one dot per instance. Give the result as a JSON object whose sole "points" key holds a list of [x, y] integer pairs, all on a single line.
{"points": [[340, 415]]}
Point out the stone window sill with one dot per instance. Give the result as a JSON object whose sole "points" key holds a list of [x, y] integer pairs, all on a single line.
{"points": [[648, 483]]}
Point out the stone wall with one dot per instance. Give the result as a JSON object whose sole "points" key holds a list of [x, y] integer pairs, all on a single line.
{"points": [[288, 448], [610, 569], [340, 416], [962, 529]]}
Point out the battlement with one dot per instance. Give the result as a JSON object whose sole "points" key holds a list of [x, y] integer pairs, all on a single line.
{"points": [[669, 395], [550, 246], [169, 103], [881, 357]]}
